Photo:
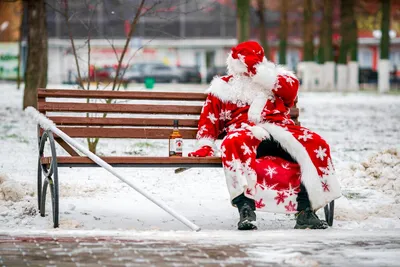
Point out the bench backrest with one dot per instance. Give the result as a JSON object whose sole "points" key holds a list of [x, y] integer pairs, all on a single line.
{"points": [[147, 115]]}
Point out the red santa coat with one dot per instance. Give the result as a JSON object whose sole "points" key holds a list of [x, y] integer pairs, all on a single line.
{"points": [[247, 112]]}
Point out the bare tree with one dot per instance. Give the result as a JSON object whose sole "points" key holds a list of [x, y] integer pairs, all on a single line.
{"points": [[308, 31], [283, 31], [242, 20], [36, 65], [384, 63], [262, 27]]}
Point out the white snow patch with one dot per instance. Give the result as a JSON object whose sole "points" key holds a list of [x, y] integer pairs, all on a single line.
{"points": [[10, 190]]}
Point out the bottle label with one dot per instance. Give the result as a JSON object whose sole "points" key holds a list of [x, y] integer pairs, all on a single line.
{"points": [[175, 147]]}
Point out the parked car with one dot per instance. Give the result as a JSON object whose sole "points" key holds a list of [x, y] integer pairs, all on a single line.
{"points": [[214, 71], [134, 73], [189, 74], [367, 75], [160, 72]]}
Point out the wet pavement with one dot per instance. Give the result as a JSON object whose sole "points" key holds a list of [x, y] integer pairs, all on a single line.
{"points": [[45, 250]]}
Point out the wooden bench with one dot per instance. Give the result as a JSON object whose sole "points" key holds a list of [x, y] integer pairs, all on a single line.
{"points": [[144, 115]]}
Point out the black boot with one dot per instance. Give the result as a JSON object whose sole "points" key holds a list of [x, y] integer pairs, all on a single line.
{"points": [[246, 207], [247, 218], [307, 219]]}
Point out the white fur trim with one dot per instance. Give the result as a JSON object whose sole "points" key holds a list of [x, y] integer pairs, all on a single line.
{"points": [[309, 174], [206, 141], [218, 85], [239, 90], [259, 132], [283, 71], [257, 107], [266, 74], [236, 66]]}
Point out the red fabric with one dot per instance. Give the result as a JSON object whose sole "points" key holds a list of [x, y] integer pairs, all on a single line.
{"points": [[272, 182], [204, 151], [250, 53]]}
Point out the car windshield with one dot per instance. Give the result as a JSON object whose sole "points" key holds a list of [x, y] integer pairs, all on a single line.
{"points": [[136, 67]]}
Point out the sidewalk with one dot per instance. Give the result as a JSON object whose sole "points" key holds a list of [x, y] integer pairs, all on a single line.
{"points": [[52, 251], [216, 248]]}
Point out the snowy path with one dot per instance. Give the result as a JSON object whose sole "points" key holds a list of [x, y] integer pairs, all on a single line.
{"points": [[363, 130], [207, 248]]}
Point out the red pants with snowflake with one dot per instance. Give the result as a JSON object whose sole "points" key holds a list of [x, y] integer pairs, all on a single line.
{"points": [[267, 179]]}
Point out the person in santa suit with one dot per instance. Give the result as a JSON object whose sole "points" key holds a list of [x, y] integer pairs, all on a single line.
{"points": [[270, 163]]}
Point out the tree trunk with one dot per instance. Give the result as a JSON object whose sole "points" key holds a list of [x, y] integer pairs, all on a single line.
{"points": [[353, 49], [384, 63], [262, 29], [242, 20], [36, 65], [308, 32], [346, 20], [283, 32], [307, 66], [346, 26], [328, 80], [328, 30], [322, 36]]}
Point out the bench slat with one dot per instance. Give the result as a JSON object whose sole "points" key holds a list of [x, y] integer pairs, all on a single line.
{"points": [[119, 108], [145, 133], [138, 160], [59, 120], [99, 94]]}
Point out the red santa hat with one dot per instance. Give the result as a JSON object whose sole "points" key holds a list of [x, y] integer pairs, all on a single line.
{"points": [[248, 59]]}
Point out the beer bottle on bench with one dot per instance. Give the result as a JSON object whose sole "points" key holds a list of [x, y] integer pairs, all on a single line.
{"points": [[175, 142]]}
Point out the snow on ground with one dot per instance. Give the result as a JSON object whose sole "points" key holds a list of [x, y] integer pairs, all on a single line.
{"points": [[362, 128]]}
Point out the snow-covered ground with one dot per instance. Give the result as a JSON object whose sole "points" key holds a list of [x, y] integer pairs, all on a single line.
{"points": [[362, 128]]}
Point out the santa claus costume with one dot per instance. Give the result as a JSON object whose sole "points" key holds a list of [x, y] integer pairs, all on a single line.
{"points": [[251, 104]]}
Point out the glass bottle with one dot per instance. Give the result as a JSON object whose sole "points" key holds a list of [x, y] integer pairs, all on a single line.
{"points": [[175, 142]]}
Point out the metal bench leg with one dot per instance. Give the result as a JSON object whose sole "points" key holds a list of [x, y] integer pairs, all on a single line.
{"points": [[43, 198], [51, 178], [329, 212], [39, 183]]}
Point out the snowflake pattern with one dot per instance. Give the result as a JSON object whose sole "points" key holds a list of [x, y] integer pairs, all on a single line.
{"points": [[201, 131], [231, 127], [271, 171], [285, 166], [280, 197], [225, 115], [208, 101], [223, 150], [306, 135], [212, 117], [233, 135], [291, 206], [289, 80], [260, 204], [320, 153], [246, 149], [325, 186], [277, 86], [249, 191], [329, 170], [250, 134], [287, 121], [292, 190]]}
